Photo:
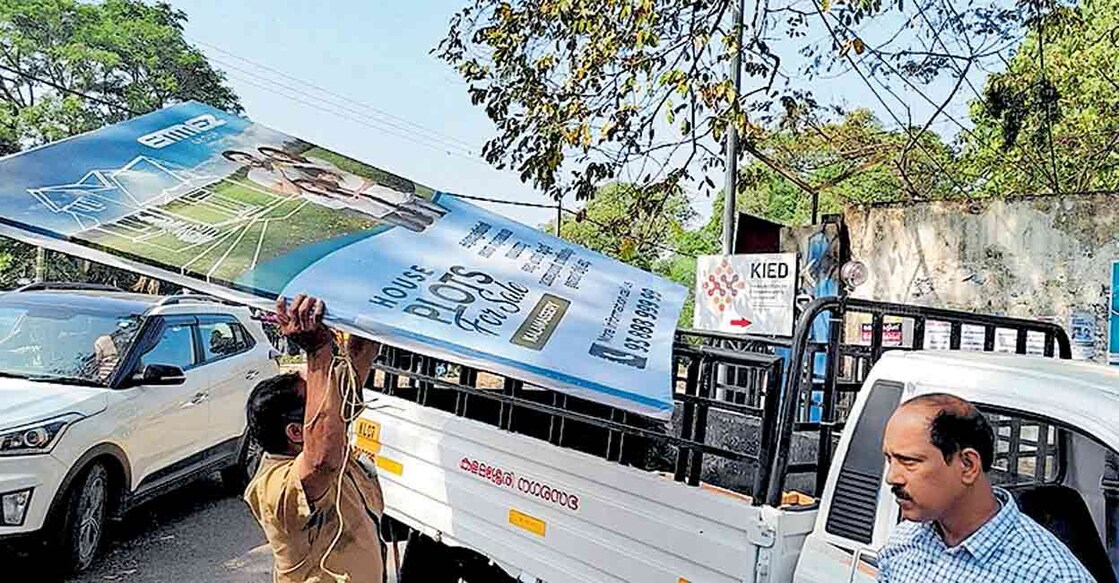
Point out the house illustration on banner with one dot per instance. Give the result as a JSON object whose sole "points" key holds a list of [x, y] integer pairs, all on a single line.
{"points": [[105, 196]]}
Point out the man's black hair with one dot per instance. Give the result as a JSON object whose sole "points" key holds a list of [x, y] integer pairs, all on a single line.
{"points": [[284, 153], [273, 404], [958, 425]]}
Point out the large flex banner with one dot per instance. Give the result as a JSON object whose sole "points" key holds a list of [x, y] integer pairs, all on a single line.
{"points": [[217, 203]]}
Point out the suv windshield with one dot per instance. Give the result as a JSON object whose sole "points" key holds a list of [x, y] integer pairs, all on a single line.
{"points": [[62, 342]]}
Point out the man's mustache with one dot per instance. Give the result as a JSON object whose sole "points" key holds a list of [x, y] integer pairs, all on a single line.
{"points": [[900, 493]]}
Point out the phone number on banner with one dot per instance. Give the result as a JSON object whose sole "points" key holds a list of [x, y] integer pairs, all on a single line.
{"points": [[637, 335]]}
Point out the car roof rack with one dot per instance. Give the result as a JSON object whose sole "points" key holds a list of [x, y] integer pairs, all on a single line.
{"points": [[182, 298], [67, 285]]}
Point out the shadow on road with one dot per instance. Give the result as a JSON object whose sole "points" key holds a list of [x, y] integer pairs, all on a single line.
{"points": [[200, 533]]}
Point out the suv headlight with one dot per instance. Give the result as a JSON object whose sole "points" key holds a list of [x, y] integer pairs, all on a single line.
{"points": [[35, 438]]}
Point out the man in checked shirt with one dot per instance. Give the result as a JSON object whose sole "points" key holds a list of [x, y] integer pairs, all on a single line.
{"points": [[958, 528]]}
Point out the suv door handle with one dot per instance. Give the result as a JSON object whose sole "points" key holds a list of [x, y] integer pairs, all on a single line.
{"points": [[252, 374], [198, 399]]}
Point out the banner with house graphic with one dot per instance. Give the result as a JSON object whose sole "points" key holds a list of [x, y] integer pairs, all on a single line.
{"points": [[214, 202]]}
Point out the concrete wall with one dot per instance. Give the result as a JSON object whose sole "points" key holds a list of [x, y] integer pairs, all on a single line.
{"points": [[1043, 257]]}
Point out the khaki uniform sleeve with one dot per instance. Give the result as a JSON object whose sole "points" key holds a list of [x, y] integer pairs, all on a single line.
{"points": [[279, 499]]}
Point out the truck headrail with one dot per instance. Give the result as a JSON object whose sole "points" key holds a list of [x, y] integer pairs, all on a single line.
{"points": [[826, 371]]}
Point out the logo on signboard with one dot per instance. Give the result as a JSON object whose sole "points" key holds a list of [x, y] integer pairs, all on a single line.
{"points": [[537, 329], [722, 285], [180, 131]]}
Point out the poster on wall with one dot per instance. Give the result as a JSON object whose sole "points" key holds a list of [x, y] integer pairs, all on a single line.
{"points": [[216, 203], [938, 335], [746, 294], [1006, 340], [1113, 317], [1082, 334], [892, 333]]}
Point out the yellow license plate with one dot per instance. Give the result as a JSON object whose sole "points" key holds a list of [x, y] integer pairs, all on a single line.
{"points": [[368, 436]]}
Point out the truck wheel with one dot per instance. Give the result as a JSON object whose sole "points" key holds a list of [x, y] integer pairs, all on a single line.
{"points": [[236, 478], [476, 568], [429, 561], [83, 524]]}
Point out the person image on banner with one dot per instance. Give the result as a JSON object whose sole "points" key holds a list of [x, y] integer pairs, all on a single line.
{"points": [[347, 181], [303, 182], [263, 173], [324, 181], [373, 207]]}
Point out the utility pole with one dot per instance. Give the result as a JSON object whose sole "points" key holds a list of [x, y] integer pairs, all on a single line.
{"points": [[40, 264], [731, 188], [559, 214]]}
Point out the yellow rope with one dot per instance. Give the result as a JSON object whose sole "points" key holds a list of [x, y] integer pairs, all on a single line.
{"points": [[348, 386]]}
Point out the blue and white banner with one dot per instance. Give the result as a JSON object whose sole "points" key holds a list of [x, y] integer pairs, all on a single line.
{"points": [[217, 203]]}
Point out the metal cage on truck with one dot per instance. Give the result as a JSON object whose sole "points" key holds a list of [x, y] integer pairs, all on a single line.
{"points": [[770, 399]]}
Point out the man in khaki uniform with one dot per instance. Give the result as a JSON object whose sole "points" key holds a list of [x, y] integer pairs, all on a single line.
{"points": [[317, 500]]}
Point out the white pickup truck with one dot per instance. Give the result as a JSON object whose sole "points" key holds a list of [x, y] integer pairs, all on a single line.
{"points": [[763, 475]]}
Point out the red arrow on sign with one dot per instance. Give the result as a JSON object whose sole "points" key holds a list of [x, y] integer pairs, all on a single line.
{"points": [[741, 322]]}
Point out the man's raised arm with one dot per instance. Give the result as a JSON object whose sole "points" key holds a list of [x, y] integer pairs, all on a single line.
{"points": [[324, 429]]}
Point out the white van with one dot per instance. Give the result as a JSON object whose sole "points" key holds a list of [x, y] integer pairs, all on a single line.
{"points": [[763, 475]]}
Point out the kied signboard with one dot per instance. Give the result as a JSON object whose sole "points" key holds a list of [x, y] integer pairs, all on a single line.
{"points": [[746, 294], [216, 203]]}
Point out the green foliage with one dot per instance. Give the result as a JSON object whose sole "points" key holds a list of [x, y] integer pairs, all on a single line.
{"points": [[622, 223], [680, 269], [592, 87], [1052, 129], [851, 161], [125, 54], [597, 84]]}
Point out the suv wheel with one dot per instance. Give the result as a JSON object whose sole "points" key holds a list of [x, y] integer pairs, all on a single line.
{"points": [[236, 478], [83, 525]]}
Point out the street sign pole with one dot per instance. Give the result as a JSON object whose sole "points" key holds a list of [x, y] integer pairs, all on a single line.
{"points": [[730, 191]]}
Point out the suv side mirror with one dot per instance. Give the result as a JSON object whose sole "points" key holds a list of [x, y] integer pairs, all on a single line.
{"points": [[159, 375]]}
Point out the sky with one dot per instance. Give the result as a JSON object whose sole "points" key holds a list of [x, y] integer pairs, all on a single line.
{"points": [[367, 55], [359, 78]]}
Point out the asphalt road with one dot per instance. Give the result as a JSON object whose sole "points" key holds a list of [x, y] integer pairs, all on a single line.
{"points": [[200, 533]]}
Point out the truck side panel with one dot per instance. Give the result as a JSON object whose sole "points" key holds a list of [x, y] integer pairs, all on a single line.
{"points": [[558, 514]]}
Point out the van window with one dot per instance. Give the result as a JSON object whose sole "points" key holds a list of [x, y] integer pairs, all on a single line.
{"points": [[1027, 450], [1062, 478]]}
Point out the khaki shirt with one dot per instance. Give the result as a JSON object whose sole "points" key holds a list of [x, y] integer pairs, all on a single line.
{"points": [[301, 530], [106, 353]]}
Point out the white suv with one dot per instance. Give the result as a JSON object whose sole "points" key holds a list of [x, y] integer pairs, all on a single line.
{"points": [[109, 398]]}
